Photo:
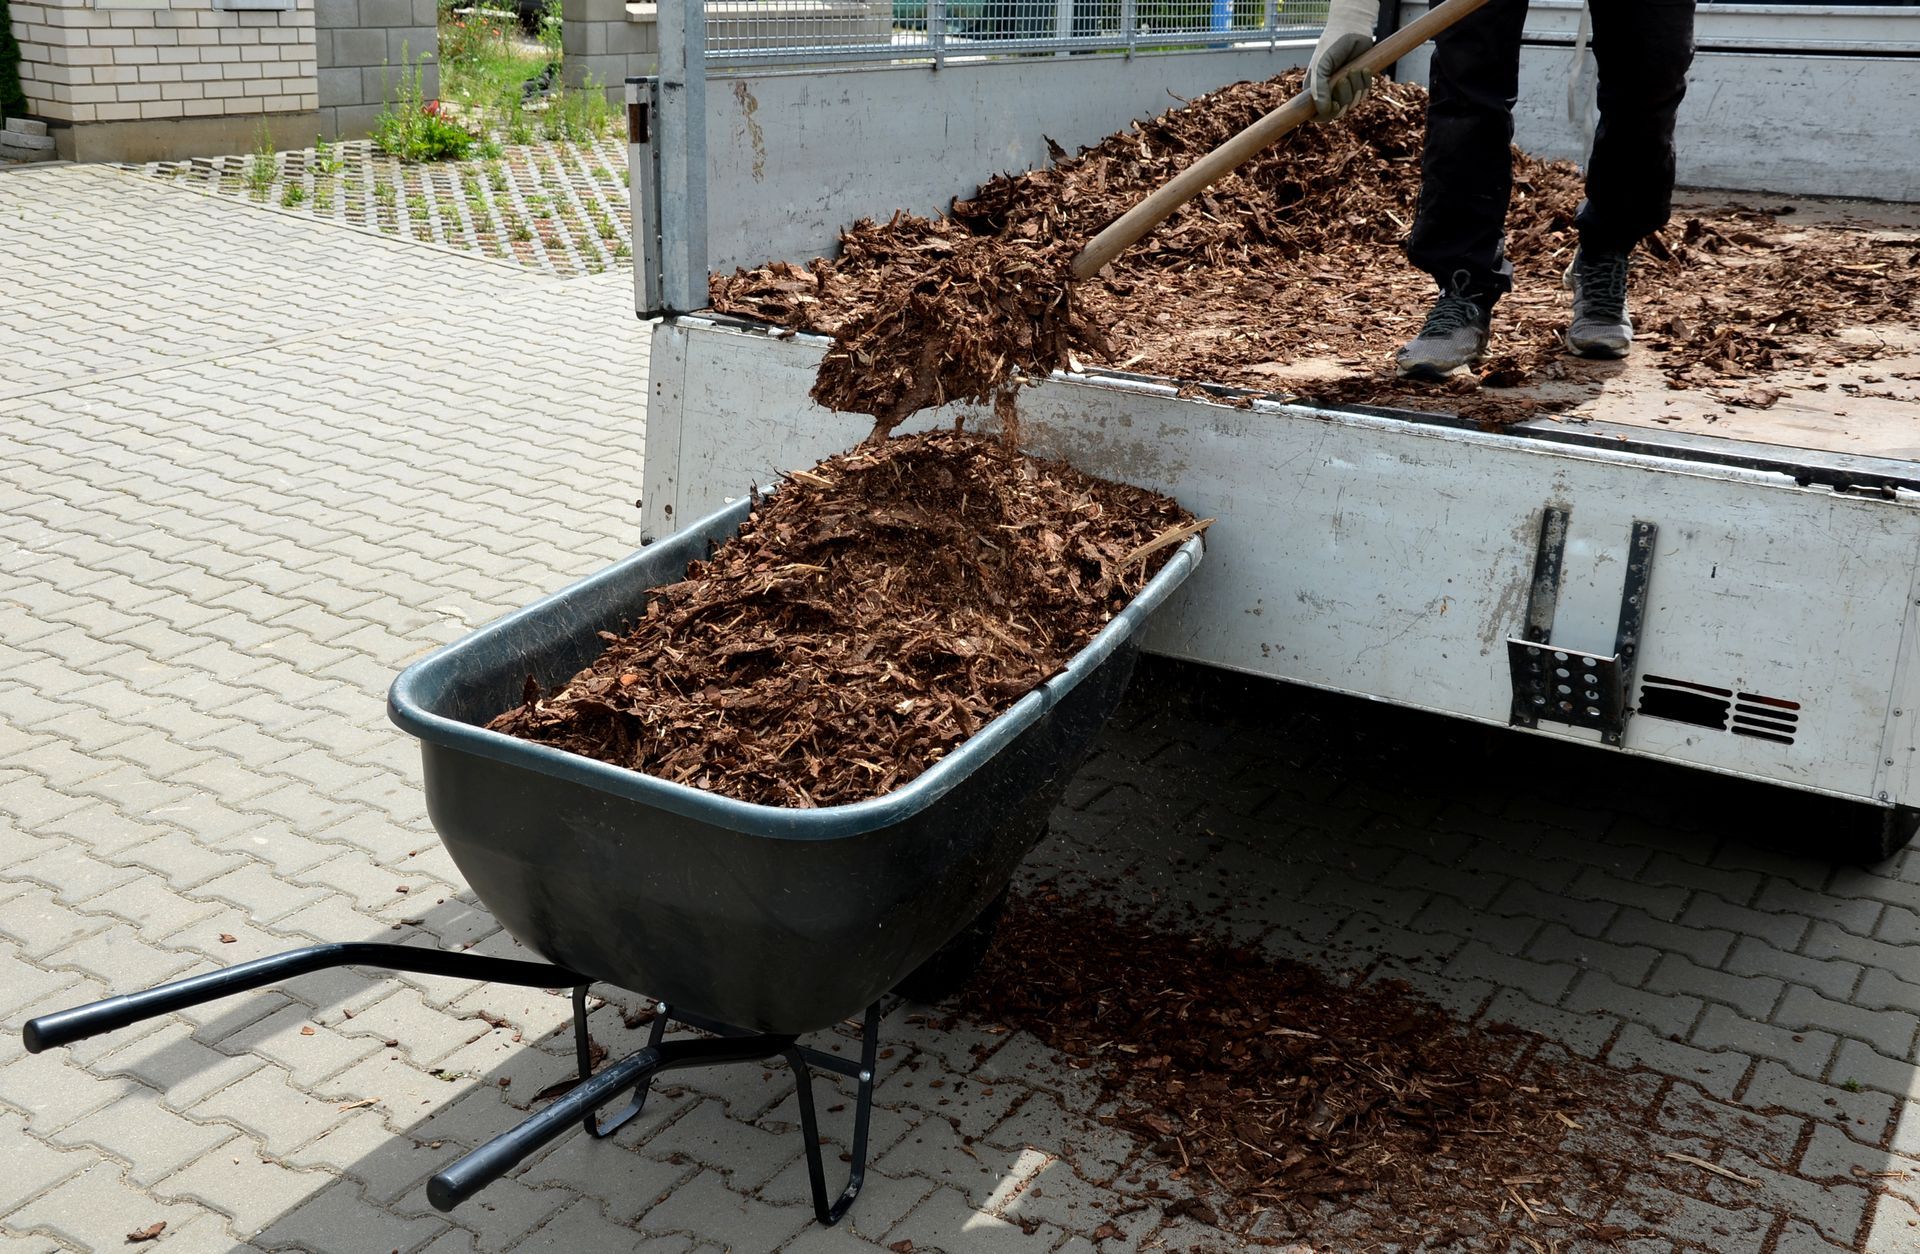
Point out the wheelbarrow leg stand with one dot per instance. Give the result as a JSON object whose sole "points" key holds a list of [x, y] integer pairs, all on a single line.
{"points": [[803, 1060], [583, 1055]]}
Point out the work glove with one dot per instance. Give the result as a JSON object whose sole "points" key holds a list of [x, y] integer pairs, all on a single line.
{"points": [[1350, 26]]}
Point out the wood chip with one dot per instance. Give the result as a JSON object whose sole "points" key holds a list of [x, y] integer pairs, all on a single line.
{"points": [[1296, 257], [149, 1233], [1715, 1168], [852, 634]]}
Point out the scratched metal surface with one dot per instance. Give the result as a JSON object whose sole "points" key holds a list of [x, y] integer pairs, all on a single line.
{"points": [[1373, 556]]}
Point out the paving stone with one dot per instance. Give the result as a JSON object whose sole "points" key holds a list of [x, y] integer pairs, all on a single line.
{"points": [[582, 1229], [1624, 964], [1668, 1014], [936, 1153], [1864, 1114], [1543, 981], [1782, 931], [170, 1060], [95, 1209], [248, 1186], [32, 1166], [1890, 1032], [748, 1155], [1895, 1228], [1717, 1073], [1806, 1052], [1834, 979], [338, 1218], [266, 1104], [150, 1139], [706, 1207], [945, 1222], [1585, 1034]]}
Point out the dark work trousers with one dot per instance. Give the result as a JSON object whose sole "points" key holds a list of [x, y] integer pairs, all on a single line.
{"points": [[1642, 49]]}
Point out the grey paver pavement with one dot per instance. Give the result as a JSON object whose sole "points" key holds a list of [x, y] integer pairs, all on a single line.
{"points": [[251, 465]]}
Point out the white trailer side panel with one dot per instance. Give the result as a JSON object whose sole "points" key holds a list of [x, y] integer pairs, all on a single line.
{"points": [[1393, 559], [797, 155]]}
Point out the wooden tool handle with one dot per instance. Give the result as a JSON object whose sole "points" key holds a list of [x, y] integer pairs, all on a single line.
{"points": [[1159, 205]]}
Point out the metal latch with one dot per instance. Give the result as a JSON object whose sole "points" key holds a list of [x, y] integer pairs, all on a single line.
{"points": [[1559, 685]]}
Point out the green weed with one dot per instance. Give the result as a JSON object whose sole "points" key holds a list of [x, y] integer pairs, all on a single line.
{"points": [[263, 167], [415, 129]]}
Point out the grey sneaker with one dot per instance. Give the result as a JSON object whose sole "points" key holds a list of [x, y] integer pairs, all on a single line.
{"points": [[1601, 326], [1454, 335]]}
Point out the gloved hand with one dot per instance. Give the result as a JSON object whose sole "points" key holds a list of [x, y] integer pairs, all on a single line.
{"points": [[1350, 25]]}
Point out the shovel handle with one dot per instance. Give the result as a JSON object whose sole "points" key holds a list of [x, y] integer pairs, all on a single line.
{"points": [[1157, 206]]}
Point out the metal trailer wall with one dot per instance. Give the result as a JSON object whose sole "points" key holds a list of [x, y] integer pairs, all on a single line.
{"points": [[794, 156], [1393, 559], [1808, 100]]}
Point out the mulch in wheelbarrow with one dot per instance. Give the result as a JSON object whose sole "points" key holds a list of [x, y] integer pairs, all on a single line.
{"points": [[1289, 276], [1277, 1102], [870, 615]]}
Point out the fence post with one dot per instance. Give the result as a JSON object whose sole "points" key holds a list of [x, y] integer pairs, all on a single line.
{"points": [[683, 154], [1130, 21], [937, 31]]}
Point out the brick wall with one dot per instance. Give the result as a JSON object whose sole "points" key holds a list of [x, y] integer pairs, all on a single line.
{"points": [[361, 45], [150, 60]]}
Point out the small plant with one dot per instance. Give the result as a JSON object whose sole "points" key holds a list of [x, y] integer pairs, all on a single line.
{"points": [[496, 177], [604, 175], [418, 130], [326, 157], [417, 206], [383, 191], [323, 200], [264, 165], [550, 31], [293, 197], [1851, 1086], [621, 250], [518, 231]]}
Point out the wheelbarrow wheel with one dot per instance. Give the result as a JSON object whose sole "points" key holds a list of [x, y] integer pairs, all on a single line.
{"points": [[949, 968]]}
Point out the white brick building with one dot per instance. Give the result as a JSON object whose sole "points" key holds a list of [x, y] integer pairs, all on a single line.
{"points": [[147, 79]]}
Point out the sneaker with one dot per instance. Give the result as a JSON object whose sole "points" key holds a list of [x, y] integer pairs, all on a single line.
{"points": [[1454, 334], [1601, 326]]}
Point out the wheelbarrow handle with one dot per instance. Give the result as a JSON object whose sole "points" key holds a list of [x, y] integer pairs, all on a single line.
{"points": [[468, 1175], [63, 1027]]}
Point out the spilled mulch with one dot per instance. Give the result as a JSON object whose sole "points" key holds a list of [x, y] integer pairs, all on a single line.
{"points": [[1289, 276], [1265, 1091], [870, 615]]}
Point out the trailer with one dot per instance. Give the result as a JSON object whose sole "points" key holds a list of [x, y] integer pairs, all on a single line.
{"points": [[1736, 594]]}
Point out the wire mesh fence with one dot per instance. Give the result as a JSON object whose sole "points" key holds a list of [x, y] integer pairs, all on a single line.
{"points": [[773, 32]]}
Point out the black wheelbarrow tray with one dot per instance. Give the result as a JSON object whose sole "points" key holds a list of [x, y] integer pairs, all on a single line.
{"points": [[752, 924]]}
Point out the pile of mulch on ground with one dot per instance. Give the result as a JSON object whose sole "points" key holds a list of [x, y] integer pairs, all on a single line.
{"points": [[870, 615], [1289, 276], [1272, 1092]]}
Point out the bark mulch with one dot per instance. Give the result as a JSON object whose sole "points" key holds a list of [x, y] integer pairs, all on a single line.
{"points": [[1288, 276], [870, 615], [1277, 1103]]}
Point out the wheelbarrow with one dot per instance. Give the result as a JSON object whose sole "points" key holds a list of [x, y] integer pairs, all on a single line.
{"points": [[751, 924]]}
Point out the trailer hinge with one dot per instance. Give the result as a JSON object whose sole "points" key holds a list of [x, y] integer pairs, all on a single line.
{"points": [[1565, 685], [643, 164]]}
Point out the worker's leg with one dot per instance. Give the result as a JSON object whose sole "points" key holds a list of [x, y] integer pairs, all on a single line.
{"points": [[1467, 169], [1643, 49]]}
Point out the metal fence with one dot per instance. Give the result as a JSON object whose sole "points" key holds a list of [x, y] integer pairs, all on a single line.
{"points": [[775, 32]]}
